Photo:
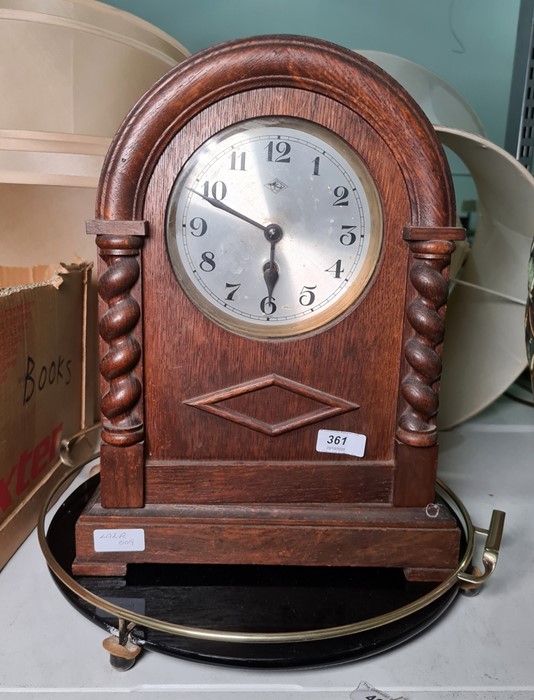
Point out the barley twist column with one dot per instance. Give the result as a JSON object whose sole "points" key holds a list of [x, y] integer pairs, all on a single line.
{"points": [[120, 245], [425, 313]]}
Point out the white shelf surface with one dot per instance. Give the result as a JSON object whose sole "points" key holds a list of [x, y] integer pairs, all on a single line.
{"points": [[481, 649]]}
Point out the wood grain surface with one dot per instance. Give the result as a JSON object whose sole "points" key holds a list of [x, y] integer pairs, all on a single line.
{"points": [[169, 442]]}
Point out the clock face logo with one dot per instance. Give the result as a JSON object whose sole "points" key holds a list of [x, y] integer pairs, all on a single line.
{"points": [[276, 185], [274, 227]]}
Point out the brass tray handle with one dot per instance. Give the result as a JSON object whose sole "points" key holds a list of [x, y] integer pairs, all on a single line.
{"points": [[490, 554], [81, 447]]}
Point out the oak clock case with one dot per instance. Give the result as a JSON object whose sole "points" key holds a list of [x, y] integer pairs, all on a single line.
{"points": [[275, 221]]}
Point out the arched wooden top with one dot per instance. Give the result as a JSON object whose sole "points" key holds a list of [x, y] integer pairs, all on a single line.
{"points": [[276, 61]]}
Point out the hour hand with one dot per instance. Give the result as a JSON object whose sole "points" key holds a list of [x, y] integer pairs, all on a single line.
{"points": [[270, 273], [220, 205], [273, 233]]}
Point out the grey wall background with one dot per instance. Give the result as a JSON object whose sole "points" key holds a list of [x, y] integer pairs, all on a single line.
{"points": [[469, 43]]}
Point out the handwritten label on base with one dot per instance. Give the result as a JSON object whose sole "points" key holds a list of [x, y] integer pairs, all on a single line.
{"points": [[131, 540]]}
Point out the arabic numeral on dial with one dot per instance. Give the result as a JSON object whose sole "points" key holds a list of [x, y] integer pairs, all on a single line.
{"points": [[349, 237], [307, 296], [217, 190], [233, 289], [316, 162], [342, 195], [198, 226], [208, 261], [278, 153], [267, 306], [237, 161], [336, 269]]}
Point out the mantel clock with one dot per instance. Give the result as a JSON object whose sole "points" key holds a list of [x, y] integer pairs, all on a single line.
{"points": [[275, 220]]}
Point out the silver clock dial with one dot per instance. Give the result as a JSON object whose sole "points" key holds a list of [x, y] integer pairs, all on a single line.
{"points": [[274, 227]]}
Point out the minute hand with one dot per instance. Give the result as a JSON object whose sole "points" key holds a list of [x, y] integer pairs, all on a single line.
{"points": [[219, 205]]}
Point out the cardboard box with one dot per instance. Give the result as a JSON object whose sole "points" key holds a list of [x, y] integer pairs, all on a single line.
{"points": [[43, 386], [70, 73]]}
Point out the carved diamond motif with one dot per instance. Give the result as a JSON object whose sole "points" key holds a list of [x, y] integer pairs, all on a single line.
{"points": [[272, 405]]}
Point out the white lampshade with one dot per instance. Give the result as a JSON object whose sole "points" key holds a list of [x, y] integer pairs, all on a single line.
{"points": [[484, 350], [70, 72], [440, 102], [76, 66]]}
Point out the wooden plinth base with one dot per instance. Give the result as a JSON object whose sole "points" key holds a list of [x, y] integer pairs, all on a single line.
{"points": [[425, 546]]}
